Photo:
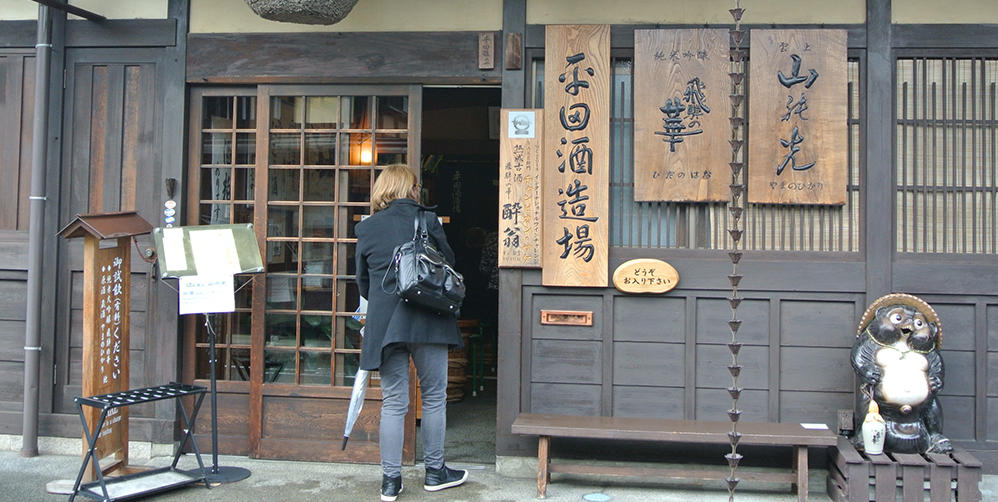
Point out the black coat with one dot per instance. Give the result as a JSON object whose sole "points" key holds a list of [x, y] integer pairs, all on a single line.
{"points": [[390, 320]]}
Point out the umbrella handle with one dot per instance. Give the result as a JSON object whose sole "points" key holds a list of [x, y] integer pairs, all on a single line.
{"points": [[345, 438]]}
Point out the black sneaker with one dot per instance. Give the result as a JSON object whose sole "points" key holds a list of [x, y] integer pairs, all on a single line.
{"points": [[444, 477], [390, 488]]}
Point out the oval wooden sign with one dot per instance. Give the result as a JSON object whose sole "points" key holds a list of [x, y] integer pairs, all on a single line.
{"points": [[645, 275]]}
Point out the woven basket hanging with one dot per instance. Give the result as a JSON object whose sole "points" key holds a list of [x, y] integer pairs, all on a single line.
{"points": [[303, 11]]}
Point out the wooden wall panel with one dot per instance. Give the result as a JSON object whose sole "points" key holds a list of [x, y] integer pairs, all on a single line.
{"points": [[13, 296], [712, 367], [958, 325], [959, 414], [648, 402], [713, 404], [17, 101], [716, 312], [681, 110], [780, 168], [651, 364], [568, 399], [648, 319], [576, 168], [11, 345], [821, 407], [959, 377], [817, 323], [12, 372], [801, 368], [555, 361]]}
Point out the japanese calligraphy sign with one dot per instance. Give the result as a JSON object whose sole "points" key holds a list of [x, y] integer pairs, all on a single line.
{"points": [[681, 109], [797, 126], [576, 168], [645, 275], [105, 335], [520, 148]]}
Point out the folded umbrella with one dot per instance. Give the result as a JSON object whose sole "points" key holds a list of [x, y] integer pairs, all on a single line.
{"points": [[360, 382]]}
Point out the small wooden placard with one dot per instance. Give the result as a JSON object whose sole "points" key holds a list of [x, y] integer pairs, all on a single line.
{"points": [[520, 187], [645, 275], [567, 317], [798, 117], [486, 50], [576, 169], [681, 108], [513, 54]]}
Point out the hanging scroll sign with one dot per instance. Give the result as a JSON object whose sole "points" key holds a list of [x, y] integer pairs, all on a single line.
{"points": [[520, 188], [576, 168], [798, 152], [681, 107]]}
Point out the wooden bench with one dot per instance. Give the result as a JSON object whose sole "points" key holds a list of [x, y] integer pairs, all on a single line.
{"points": [[677, 431]]}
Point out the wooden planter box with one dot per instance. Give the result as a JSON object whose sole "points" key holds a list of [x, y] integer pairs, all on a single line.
{"points": [[854, 476]]}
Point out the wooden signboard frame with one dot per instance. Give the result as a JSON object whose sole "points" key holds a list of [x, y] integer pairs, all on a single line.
{"points": [[107, 240], [798, 152], [520, 190], [576, 168], [681, 107]]}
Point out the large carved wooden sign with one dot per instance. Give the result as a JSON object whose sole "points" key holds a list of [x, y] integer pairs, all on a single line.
{"points": [[797, 124], [681, 108], [520, 147], [576, 169]]}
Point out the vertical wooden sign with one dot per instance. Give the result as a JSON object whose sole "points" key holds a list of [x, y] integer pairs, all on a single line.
{"points": [[106, 283], [576, 169], [520, 146], [681, 107], [797, 123]]}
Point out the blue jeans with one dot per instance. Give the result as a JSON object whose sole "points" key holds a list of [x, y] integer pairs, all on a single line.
{"points": [[431, 367]]}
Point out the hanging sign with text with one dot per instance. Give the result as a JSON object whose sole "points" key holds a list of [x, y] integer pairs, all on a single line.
{"points": [[681, 109], [520, 156], [576, 169], [798, 153]]}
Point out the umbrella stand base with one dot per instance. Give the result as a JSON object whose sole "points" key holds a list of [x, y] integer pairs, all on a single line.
{"points": [[227, 474]]}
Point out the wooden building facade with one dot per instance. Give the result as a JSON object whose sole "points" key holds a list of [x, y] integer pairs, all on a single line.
{"points": [[284, 126]]}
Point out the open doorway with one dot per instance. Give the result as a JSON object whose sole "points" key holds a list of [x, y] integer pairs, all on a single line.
{"points": [[460, 175]]}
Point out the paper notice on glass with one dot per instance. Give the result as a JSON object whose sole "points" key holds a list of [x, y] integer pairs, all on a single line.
{"points": [[174, 257], [214, 252], [814, 426], [200, 294]]}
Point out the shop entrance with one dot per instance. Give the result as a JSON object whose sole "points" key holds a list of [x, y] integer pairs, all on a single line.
{"points": [[460, 175]]}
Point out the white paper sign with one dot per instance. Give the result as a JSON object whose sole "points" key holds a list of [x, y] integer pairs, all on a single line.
{"points": [[200, 294], [173, 249], [214, 252], [814, 426]]}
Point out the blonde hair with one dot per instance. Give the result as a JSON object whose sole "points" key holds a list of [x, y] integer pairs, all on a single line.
{"points": [[395, 182]]}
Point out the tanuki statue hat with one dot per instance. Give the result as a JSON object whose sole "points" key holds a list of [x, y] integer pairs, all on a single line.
{"points": [[902, 299]]}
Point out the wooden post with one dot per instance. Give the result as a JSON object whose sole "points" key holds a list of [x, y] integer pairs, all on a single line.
{"points": [[107, 240]]}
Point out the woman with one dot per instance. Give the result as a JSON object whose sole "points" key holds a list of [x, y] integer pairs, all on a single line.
{"points": [[396, 330]]}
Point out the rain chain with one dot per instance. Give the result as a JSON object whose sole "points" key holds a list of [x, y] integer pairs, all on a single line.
{"points": [[737, 187]]}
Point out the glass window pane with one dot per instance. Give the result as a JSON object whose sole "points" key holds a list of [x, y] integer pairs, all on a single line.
{"points": [[245, 148], [239, 364], [356, 149], [317, 257], [348, 295], [320, 149], [282, 256], [317, 293], [246, 112], [214, 214], [390, 149], [216, 112], [317, 221], [393, 112], [346, 264], [279, 366], [346, 369], [315, 368], [244, 296], [279, 330], [357, 112], [286, 112], [319, 185], [243, 183], [352, 217], [216, 183], [282, 221], [282, 184], [239, 327], [285, 149], [349, 327], [219, 323], [316, 331], [242, 213], [323, 112], [216, 148], [355, 185]]}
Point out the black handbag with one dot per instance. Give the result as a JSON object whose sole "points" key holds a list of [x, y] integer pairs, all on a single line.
{"points": [[422, 275]]}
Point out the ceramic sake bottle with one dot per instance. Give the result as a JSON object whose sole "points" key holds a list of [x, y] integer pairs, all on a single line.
{"points": [[873, 430]]}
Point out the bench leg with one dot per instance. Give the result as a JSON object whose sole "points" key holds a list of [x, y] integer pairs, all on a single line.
{"points": [[800, 467], [543, 476]]}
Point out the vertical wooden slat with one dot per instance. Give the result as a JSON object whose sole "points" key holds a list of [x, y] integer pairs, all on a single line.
{"points": [[968, 477], [80, 163], [904, 221], [11, 96], [27, 140], [973, 156], [131, 123], [913, 476], [935, 170], [945, 159], [927, 129], [885, 477], [960, 191], [98, 117], [113, 128], [941, 471]]}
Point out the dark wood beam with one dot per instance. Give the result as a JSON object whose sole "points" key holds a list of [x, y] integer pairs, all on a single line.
{"points": [[72, 9]]}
